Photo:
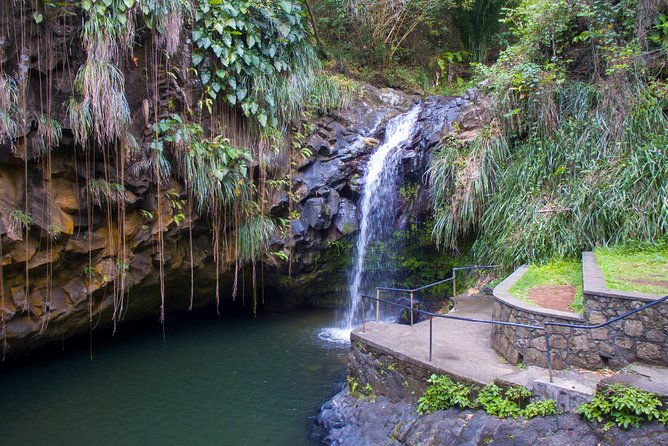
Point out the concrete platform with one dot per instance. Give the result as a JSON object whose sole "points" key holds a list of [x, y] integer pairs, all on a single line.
{"points": [[461, 350]]}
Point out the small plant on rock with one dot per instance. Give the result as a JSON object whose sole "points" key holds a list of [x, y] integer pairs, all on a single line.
{"points": [[541, 408], [499, 403], [444, 393], [623, 406]]}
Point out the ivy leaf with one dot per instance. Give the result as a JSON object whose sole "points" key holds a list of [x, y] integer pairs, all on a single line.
{"points": [[287, 7], [197, 58], [197, 34], [241, 94], [251, 41], [217, 49], [227, 39], [38, 17], [215, 2], [129, 3], [205, 78], [232, 99], [262, 119]]}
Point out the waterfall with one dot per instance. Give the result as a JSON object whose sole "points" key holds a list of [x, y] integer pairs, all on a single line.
{"points": [[378, 200], [378, 210]]}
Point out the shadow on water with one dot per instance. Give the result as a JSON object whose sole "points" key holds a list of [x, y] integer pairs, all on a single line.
{"points": [[231, 380]]}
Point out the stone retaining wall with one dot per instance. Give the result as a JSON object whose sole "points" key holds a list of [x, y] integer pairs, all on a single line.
{"points": [[640, 337], [397, 378]]}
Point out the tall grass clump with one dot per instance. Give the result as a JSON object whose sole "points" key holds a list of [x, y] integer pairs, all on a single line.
{"points": [[584, 159], [101, 191], [9, 123]]}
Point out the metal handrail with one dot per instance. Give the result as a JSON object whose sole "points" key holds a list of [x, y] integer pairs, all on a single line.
{"points": [[430, 285], [465, 268], [613, 320], [544, 327], [414, 290]]}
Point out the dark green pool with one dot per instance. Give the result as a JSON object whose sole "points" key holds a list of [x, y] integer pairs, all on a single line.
{"points": [[240, 381]]}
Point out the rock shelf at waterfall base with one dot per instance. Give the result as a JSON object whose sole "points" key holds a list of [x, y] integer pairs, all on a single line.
{"points": [[350, 421], [393, 360]]}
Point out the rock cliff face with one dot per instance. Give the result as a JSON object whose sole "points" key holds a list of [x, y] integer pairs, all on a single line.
{"points": [[47, 294]]}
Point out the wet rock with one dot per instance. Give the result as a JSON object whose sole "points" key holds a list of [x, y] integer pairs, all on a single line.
{"points": [[314, 212], [348, 420], [346, 217]]}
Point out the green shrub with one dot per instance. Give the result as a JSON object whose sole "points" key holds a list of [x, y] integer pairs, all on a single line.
{"points": [[444, 393], [539, 409], [503, 404], [623, 406]]}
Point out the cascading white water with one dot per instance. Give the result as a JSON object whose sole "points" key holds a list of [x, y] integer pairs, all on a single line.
{"points": [[378, 210]]}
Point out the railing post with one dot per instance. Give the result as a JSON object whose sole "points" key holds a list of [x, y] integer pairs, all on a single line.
{"points": [[431, 319], [363, 315], [411, 308], [377, 303], [549, 355], [454, 285]]}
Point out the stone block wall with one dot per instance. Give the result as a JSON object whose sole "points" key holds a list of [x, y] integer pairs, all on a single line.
{"points": [[640, 337], [397, 378]]}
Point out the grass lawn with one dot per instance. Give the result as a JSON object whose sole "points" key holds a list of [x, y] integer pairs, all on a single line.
{"points": [[553, 273], [639, 268]]}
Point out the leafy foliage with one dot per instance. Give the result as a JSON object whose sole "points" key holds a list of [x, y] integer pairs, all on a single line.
{"points": [[255, 54], [575, 155], [500, 403], [443, 393], [542, 408], [623, 406]]}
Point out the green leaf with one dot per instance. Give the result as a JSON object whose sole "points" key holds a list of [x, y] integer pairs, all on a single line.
{"points": [[129, 3], [262, 119], [197, 58], [232, 99], [287, 7], [38, 17], [241, 94], [205, 77]]}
